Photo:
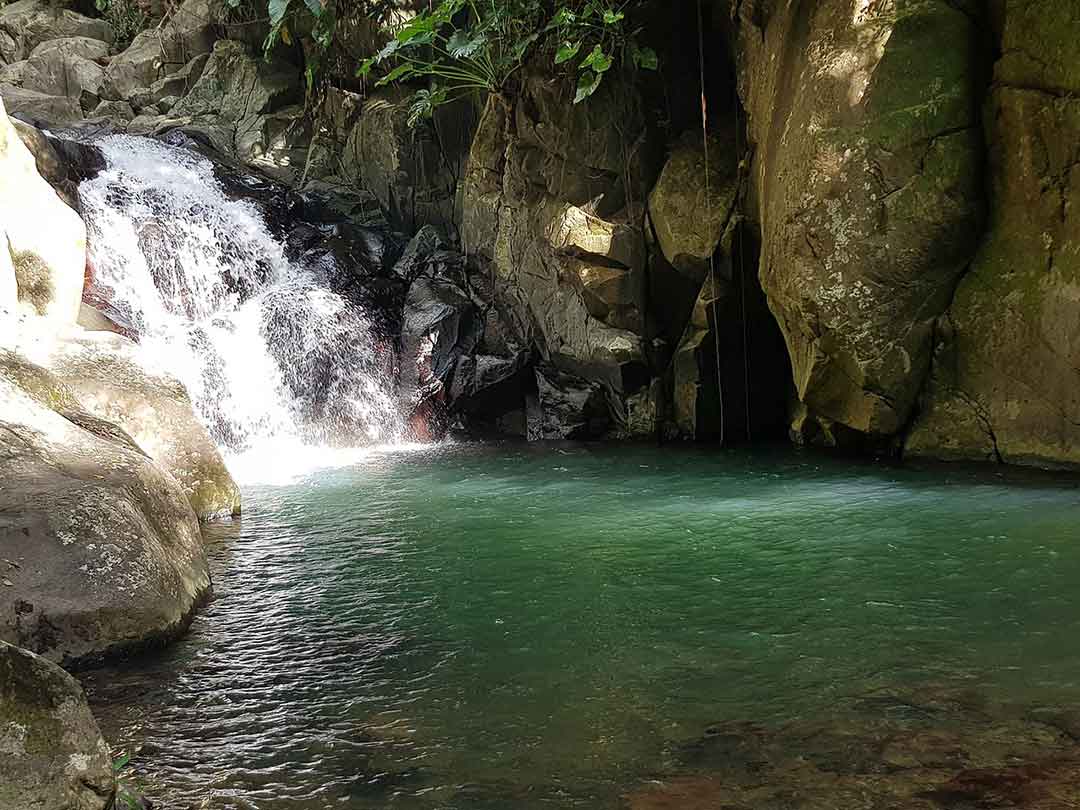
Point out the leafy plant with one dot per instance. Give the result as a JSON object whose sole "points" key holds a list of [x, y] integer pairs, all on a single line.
{"points": [[462, 46], [125, 17]]}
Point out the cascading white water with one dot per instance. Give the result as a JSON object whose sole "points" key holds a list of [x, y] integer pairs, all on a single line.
{"points": [[279, 367]]}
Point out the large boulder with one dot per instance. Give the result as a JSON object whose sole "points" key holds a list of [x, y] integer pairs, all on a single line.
{"points": [[163, 49], [688, 213], [242, 105], [46, 238], [40, 109], [25, 24], [1006, 378], [52, 754], [106, 373], [67, 67], [867, 177], [108, 552]]}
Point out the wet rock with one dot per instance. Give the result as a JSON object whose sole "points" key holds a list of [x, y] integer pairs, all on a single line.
{"points": [[570, 407], [440, 327], [52, 754], [110, 552], [62, 162], [105, 373], [49, 261]]}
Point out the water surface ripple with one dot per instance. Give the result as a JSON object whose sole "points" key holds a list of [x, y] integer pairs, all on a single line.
{"points": [[539, 627]]}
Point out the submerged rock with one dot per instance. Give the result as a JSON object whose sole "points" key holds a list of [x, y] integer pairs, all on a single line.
{"points": [[108, 550], [52, 754]]}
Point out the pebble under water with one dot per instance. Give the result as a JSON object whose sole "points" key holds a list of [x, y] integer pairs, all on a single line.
{"points": [[522, 627]]}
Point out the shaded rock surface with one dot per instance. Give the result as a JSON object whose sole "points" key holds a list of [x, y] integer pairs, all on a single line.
{"points": [[549, 215], [52, 754], [1006, 376]]}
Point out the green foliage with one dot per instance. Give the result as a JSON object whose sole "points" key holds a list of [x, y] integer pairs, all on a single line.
{"points": [[461, 46], [125, 16]]}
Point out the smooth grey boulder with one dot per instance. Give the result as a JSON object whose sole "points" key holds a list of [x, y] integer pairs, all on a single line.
{"points": [[106, 374], [40, 109], [52, 754], [67, 67], [108, 551]]}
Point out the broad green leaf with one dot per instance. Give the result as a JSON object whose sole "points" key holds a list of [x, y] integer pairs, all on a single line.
{"points": [[278, 9], [315, 7], [462, 45], [420, 25], [397, 74], [612, 17], [567, 51], [597, 60], [587, 85]]}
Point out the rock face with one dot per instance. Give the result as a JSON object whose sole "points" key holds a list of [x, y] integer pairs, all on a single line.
{"points": [[46, 239], [25, 24], [108, 550], [52, 754], [105, 374], [412, 170], [164, 49], [551, 203], [67, 67], [1006, 378], [239, 104], [866, 174]]}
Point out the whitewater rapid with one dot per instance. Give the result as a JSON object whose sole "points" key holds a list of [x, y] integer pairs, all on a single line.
{"points": [[287, 375]]}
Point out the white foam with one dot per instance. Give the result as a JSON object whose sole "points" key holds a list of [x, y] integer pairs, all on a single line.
{"points": [[281, 369]]}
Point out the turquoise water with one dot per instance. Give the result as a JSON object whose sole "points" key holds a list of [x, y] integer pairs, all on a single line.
{"points": [[522, 627]]}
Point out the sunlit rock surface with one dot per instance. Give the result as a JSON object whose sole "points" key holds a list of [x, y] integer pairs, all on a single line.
{"points": [[110, 378], [867, 173], [52, 755], [45, 238], [108, 551]]}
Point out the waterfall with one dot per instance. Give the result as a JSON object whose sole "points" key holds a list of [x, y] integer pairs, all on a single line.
{"points": [[278, 365]]}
